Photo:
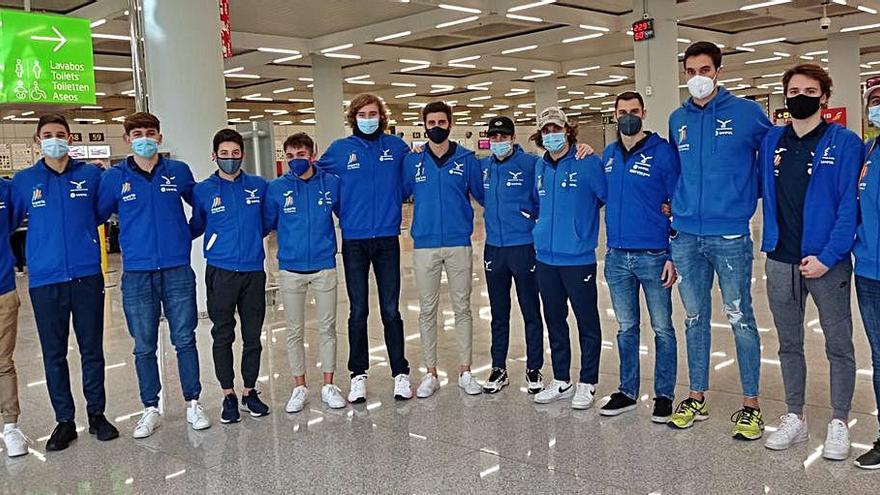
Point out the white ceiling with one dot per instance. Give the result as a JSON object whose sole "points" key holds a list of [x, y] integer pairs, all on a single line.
{"points": [[483, 41]]}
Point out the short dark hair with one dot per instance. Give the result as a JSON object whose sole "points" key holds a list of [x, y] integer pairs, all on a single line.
{"points": [[52, 118], [629, 95], [435, 107], [299, 140], [704, 48], [812, 71], [228, 136], [571, 134], [140, 120]]}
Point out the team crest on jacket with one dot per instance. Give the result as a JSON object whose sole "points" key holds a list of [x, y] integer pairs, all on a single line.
{"points": [[609, 165], [724, 128], [777, 160], [252, 198], [288, 203], [642, 167], [457, 169], [539, 184], [826, 158], [485, 178], [514, 178], [37, 200], [570, 180], [386, 156], [79, 189], [682, 137], [168, 184], [217, 205], [420, 173], [126, 193], [353, 163]]}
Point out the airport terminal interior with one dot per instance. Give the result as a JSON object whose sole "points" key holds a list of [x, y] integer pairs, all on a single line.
{"points": [[273, 68]]}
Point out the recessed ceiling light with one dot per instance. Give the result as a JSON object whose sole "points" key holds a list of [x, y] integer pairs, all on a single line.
{"points": [[582, 38], [524, 18], [519, 49], [337, 48], [768, 3], [456, 22], [393, 36], [278, 50], [764, 42], [459, 8], [532, 5]]}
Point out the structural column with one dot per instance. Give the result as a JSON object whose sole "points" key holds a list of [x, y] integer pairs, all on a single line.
{"points": [[545, 93], [843, 63], [185, 87], [657, 66], [327, 90]]}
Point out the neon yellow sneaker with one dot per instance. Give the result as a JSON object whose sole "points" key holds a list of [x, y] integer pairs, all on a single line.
{"points": [[747, 424], [688, 411]]}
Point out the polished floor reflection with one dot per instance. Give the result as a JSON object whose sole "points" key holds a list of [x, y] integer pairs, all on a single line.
{"points": [[450, 443]]}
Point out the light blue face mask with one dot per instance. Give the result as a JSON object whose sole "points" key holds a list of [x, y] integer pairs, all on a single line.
{"points": [[145, 147], [501, 148], [54, 148], [368, 126], [874, 115], [554, 141]]}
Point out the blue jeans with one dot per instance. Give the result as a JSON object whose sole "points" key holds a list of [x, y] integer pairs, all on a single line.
{"points": [[697, 260], [625, 271], [145, 295], [868, 293]]}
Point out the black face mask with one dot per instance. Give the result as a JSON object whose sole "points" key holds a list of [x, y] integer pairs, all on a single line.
{"points": [[437, 134], [629, 124], [802, 106]]}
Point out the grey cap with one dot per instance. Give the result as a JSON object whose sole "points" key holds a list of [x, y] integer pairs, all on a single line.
{"points": [[552, 115]]}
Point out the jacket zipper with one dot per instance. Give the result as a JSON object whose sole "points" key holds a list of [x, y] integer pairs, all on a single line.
{"points": [[498, 203], [619, 213], [236, 194], [64, 222]]}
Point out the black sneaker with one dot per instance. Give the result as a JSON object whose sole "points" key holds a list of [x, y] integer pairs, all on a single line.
{"points": [[871, 458], [535, 380], [101, 428], [252, 404], [61, 437], [662, 410], [230, 412], [618, 404], [498, 379]]}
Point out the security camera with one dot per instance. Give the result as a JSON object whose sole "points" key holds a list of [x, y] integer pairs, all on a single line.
{"points": [[825, 23]]}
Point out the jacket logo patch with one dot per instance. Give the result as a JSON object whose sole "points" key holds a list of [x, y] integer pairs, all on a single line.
{"points": [[288, 202], [487, 264], [420, 173], [826, 158], [682, 136], [37, 200], [777, 160], [353, 163], [217, 205], [252, 198], [724, 127], [486, 178], [126, 193], [862, 177], [324, 198], [539, 185], [642, 167], [79, 189], [386, 156], [168, 185], [515, 178], [457, 169], [571, 180], [609, 165]]}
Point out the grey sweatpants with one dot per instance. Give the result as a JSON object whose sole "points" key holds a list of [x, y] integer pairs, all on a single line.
{"points": [[787, 293]]}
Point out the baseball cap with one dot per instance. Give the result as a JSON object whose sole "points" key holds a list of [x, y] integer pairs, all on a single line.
{"points": [[871, 86], [501, 125], [552, 115]]}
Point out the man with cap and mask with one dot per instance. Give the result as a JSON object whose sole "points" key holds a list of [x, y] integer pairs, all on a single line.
{"points": [[717, 135], [867, 253], [300, 206], [227, 209], [641, 169]]}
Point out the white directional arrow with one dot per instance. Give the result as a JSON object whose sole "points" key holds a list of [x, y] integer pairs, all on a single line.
{"points": [[60, 39]]}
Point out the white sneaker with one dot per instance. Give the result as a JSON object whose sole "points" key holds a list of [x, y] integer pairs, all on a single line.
{"points": [[150, 420], [16, 441], [196, 416], [358, 391], [837, 441], [557, 390], [469, 384], [429, 385], [332, 396], [791, 430], [583, 396], [402, 387], [297, 399]]}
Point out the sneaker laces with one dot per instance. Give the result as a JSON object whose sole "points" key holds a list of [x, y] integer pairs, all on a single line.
{"points": [[744, 416], [143, 421], [17, 432], [537, 375], [688, 405], [787, 424], [496, 374], [838, 432]]}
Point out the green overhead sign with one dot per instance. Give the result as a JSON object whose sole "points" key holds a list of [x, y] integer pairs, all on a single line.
{"points": [[45, 59]]}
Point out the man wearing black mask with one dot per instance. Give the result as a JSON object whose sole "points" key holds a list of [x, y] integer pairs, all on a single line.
{"points": [[809, 172]]}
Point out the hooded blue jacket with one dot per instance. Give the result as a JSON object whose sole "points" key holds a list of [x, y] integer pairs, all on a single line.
{"points": [[511, 203], [717, 191], [867, 246], [7, 218], [637, 188], [369, 174], [153, 231], [830, 205], [230, 214], [442, 215], [570, 194], [63, 220], [302, 213]]}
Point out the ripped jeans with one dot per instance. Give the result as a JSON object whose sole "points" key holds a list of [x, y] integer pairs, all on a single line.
{"points": [[698, 259]]}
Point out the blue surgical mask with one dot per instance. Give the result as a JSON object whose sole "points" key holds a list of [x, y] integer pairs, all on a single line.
{"points": [[368, 126], [299, 166], [145, 147], [501, 148], [230, 166], [54, 148], [554, 141], [874, 115]]}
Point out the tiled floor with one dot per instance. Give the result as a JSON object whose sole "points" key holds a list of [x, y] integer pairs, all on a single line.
{"points": [[451, 443]]}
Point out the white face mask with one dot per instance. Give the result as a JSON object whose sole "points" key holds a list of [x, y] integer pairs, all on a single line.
{"points": [[701, 86]]}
